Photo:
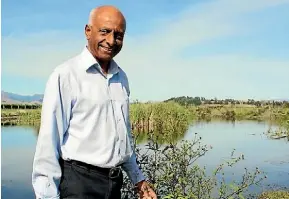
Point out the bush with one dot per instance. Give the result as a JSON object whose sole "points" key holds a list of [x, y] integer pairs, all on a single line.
{"points": [[274, 195], [174, 173]]}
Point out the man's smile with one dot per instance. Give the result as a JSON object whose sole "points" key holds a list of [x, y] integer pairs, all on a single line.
{"points": [[106, 49]]}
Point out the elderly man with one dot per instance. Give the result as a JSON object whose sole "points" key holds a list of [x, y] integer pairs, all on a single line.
{"points": [[84, 139]]}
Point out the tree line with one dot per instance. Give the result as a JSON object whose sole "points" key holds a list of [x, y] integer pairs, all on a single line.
{"points": [[186, 100]]}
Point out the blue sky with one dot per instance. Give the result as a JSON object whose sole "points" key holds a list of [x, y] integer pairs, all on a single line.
{"points": [[222, 48]]}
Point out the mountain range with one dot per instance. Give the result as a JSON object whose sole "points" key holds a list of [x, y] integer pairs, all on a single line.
{"points": [[7, 97]]}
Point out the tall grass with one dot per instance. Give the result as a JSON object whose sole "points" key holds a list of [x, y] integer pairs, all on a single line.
{"points": [[20, 116], [146, 116], [141, 112]]}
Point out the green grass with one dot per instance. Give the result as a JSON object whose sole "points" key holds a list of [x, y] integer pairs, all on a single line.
{"points": [[145, 115], [20, 116]]}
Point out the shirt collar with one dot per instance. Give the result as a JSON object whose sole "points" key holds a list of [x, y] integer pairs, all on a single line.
{"points": [[89, 61]]}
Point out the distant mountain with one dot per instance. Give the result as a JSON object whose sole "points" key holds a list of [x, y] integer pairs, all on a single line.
{"points": [[282, 100], [7, 97]]}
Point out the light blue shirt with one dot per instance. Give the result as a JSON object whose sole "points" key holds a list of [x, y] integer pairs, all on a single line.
{"points": [[85, 117]]}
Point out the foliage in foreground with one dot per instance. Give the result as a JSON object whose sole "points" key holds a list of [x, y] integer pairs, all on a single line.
{"points": [[172, 167], [174, 172], [274, 195]]}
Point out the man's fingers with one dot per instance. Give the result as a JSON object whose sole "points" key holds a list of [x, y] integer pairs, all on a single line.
{"points": [[145, 195], [152, 194], [146, 192]]}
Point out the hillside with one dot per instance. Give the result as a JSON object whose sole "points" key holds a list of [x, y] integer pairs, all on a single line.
{"points": [[186, 100], [7, 97]]}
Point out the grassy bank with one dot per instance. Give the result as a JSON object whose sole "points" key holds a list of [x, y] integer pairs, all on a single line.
{"points": [[150, 114], [144, 116], [209, 112], [20, 116]]}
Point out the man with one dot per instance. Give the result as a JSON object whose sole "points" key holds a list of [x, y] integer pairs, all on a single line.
{"points": [[84, 138]]}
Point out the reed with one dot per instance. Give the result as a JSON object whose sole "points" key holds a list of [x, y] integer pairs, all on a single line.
{"points": [[20, 117], [147, 116]]}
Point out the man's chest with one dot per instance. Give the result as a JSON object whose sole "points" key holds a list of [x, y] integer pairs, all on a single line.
{"points": [[99, 94]]}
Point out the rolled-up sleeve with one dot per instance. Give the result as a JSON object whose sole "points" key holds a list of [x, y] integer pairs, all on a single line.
{"points": [[55, 115]]}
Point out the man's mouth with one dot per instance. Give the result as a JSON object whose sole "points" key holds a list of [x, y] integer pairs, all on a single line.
{"points": [[106, 49]]}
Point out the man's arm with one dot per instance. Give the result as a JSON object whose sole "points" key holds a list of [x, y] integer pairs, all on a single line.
{"points": [[132, 169], [55, 114], [130, 166], [136, 176]]}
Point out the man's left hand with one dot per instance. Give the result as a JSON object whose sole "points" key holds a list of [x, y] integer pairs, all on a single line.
{"points": [[145, 191]]}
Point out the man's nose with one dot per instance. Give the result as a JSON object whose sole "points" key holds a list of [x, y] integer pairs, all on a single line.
{"points": [[110, 39]]}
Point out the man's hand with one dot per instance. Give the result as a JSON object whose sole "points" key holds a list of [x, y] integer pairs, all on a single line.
{"points": [[145, 191]]}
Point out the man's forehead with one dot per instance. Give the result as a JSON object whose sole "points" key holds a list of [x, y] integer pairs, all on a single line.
{"points": [[106, 13], [110, 21]]}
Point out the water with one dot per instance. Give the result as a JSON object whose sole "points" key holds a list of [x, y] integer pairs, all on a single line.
{"points": [[18, 145], [248, 138]]}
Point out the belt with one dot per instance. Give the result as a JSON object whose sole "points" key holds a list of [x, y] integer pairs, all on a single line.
{"points": [[113, 172]]}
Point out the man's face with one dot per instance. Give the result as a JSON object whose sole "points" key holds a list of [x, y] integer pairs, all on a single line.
{"points": [[105, 36]]}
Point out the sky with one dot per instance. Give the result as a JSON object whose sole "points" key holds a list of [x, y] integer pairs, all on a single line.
{"points": [[211, 48]]}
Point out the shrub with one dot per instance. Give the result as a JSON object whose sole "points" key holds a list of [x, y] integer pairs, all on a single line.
{"points": [[274, 195], [175, 174]]}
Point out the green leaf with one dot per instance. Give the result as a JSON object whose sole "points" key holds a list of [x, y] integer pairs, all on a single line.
{"points": [[241, 196]]}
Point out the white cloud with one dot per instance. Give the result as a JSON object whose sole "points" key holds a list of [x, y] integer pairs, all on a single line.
{"points": [[154, 62], [36, 55], [156, 67]]}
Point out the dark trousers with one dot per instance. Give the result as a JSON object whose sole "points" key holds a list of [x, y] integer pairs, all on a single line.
{"points": [[81, 181]]}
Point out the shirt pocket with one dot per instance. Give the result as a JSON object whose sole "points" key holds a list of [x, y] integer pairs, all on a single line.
{"points": [[92, 96], [97, 92], [120, 98]]}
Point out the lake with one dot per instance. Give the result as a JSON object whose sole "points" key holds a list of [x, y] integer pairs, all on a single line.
{"points": [[246, 137]]}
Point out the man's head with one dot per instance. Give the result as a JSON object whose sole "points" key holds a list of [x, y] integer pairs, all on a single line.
{"points": [[105, 32]]}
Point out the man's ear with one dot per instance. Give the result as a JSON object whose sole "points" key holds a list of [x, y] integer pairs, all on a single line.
{"points": [[87, 30]]}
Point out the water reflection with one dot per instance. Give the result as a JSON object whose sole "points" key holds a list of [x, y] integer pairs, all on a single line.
{"points": [[158, 137], [18, 145], [36, 129], [247, 137], [178, 133]]}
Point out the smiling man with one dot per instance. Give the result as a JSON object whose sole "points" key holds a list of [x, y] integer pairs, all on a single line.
{"points": [[84, 140]]}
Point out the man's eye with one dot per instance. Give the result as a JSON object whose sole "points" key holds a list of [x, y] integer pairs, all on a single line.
{"points": [[103, 31], [119, 36]]}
